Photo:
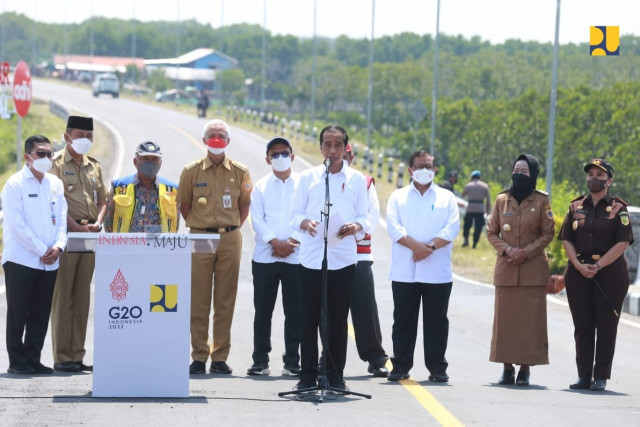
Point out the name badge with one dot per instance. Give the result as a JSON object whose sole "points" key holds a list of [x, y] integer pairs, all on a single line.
{"points": [[507, 214], [201, 184], [68, 173], [33, 195], [226, 201]]}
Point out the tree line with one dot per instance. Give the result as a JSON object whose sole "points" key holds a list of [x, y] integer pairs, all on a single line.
{"points": [[493, 99]]}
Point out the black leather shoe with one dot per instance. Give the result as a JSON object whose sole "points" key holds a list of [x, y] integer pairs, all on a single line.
{"points": [[508, 377], [581, 384], [66, 367], [21, 370], [439, 378], [307, 384], [197, 368], [220, 368], [83, 367], [378, 371], [41, 369], [523, 378], [598, 385], [397, 375]]}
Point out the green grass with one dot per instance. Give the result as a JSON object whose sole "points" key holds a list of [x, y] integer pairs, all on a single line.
{"points": [[477, 264]]}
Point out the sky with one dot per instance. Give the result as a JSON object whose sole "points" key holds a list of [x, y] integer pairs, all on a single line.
{"points": [[492, 20]]}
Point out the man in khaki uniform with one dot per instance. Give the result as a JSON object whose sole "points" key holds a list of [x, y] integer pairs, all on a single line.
{"points": [[86, 197], [214, 194]]}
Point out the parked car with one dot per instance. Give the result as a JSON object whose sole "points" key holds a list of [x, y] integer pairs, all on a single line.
{"points": [[106, 83]]}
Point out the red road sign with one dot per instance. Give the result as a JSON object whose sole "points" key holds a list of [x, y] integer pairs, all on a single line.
{"points": [[22, 88]]}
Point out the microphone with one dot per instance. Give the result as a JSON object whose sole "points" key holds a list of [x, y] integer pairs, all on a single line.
{"points": [[327, 162]]}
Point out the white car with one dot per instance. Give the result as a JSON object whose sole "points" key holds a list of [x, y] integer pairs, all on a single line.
{"points": [[106, 83]]}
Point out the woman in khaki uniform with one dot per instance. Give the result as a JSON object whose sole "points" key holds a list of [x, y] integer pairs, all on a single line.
{"points": [[520, 228]]}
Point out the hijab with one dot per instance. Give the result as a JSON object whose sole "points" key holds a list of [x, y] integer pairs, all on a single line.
{"points": [[522, 187]]}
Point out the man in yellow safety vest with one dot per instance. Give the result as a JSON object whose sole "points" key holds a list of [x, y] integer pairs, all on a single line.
{"points": [[143, 202]]}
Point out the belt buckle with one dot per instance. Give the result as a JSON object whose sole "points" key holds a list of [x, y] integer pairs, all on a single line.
{"points": [[84, 221], [595, 257], [221, 230]]}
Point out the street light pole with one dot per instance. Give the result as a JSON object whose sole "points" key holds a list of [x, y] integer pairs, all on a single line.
{"points": [[435, 86], [220, 72], [552, 103], [313, 70], [133, 43], [370, 92], [263, 80]]}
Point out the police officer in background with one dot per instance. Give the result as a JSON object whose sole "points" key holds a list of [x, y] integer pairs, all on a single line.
{"points": [[452, 179], [86, 197], [214, 196], [477, 194], [595, 234], [143, 202]]}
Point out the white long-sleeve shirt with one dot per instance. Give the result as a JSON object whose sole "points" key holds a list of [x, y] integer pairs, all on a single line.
{"points": [[270, 206], [348, 197], [35, 218], [422, 217]]}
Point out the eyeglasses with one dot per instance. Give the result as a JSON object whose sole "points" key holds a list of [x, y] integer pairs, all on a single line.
{"points": [[43, 154], [277, 155], [418, 167]]}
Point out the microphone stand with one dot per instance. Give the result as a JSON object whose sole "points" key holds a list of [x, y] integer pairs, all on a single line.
{"points": [[323, 380]]}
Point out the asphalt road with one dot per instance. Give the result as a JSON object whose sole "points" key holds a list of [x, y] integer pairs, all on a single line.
{"points": [[471, 397]]}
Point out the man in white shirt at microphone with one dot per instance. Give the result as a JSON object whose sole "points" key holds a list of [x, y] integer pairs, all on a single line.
{"points": [[347, 220], [422, 221]]}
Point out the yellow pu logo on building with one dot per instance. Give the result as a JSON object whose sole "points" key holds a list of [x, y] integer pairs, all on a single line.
{"points": [[164, 298], [604, 40]]}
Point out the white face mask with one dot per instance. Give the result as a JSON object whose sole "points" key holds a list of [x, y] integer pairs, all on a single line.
{"points": [[423, 176], [41, 165], [281, 164], [81, 145], [216, 150]]}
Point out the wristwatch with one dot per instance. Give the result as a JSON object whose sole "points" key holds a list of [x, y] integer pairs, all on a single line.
{"points": [[431, 245]]}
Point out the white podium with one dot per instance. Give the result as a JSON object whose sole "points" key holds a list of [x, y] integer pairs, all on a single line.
{"points": [[142, 311]]}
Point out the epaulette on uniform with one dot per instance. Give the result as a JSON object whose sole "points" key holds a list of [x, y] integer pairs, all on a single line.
{"points": [[193, 164], [58, 154], [506, 190], [93, 159], [618, 199], [580, 197], [239, 165], [544, 193]]}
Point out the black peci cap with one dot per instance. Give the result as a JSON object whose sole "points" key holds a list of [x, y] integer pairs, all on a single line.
{"points": [[278, 140], [78, 122], [602, 164]]}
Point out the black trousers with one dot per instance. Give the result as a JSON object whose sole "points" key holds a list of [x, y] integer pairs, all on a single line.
{"points": [[364, 315], [595, 324], [266, 278], [29, 295], [338, 294], [435, 324], [469, 219]]}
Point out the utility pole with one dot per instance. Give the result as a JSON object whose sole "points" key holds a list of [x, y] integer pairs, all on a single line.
{"points": [[370, 92], [552, 103], [434, 98]]}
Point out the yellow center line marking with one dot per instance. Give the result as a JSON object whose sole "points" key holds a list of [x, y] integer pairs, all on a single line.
{"points": [[426, 399], [196, 142]]}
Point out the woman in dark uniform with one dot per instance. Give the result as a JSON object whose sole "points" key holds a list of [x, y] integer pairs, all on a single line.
{"points": [[595, 234], [520, 228]]}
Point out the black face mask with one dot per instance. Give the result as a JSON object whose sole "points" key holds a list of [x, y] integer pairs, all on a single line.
{"points": [[596, 185], [520, 180]]}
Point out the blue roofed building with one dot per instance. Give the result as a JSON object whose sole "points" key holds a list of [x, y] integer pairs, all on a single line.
{"points": [[198, 68]]}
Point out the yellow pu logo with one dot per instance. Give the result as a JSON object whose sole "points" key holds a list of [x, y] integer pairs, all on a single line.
{"points": [[164, 298], [604, 40]]}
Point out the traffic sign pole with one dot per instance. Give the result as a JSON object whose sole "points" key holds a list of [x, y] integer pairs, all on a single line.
{"points": [[19, 145], [21, 101]]}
